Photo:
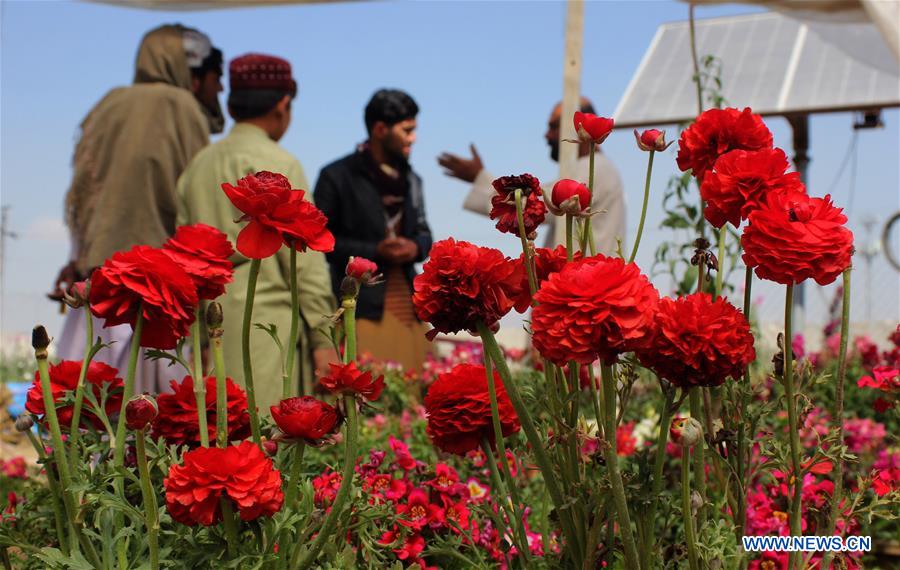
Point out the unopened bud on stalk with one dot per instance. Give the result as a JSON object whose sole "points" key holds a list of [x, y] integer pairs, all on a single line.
{"points": [[651, 139], [686, 432], [696, 502], [569, 197], [214, 319], [77, 295], [24, 423], [140, 411], [40, 340]]}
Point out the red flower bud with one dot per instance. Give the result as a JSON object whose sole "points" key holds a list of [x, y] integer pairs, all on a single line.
{"points": [[77, 295], [270, 447], [591, 128], [140, 411], [651, 139], [361, 269], [569, 197], [686, 432], [305, 418]]}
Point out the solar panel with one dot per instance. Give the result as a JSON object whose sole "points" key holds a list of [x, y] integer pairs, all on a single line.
{"points": [[773, 63]]}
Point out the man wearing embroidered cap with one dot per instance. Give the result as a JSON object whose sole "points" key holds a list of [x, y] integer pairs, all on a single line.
{"points": [[134, 144], [262, 89]]}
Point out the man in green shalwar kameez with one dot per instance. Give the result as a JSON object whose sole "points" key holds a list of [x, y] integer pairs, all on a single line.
{"points": [[260, 102]]}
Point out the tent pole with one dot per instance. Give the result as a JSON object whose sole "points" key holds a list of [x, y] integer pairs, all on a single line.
{"points": [[568, 152]]}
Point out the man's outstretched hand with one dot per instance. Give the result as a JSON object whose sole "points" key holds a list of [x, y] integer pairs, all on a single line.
{"points": [[466, 169]]}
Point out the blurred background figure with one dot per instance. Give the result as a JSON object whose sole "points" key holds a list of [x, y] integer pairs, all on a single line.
{"points": [[608, 196], [375, 207], [134, 144], [262, 89]]}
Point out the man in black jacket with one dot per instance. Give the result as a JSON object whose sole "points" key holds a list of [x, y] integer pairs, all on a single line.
{"points": [[375, 208]]}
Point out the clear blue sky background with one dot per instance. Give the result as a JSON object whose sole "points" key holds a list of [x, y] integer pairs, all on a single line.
{"points": [[487, 72]]}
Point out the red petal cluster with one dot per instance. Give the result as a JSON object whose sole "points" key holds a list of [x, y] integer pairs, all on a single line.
{"points": [[241, 473], [148, 278], [504, 203], [716, 132], [64, 378], [277, 214], [462, 284], [549, 261], [570, 197], [592, 128], [740, 182], [794, 237], [203, 252], [305, 418], [361, 269], [458, 408], [597, 307], [177, 419], [698, 342], [348, 379]]}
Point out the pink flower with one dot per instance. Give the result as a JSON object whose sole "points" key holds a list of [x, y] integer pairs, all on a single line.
{"points": [[404, 458]]}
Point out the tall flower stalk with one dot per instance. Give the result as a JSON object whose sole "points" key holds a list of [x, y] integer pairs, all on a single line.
{"points": [[119, 453], [796, 479], [150, 507], [214, 329], [74, 431], [686, 514], [640, 230], [291, 351], [199, 380], [245, 351]]}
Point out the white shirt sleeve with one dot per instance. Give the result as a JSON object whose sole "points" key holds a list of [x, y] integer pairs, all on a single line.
{"points": [[478, 199]]}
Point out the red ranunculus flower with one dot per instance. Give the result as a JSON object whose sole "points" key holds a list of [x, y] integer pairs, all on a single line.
{"points": [[361, 269], [305, 418], [698, 341], [462, 284], [240, 473], [794, 237], [651, 139], [203, 252], [740, 182], [277, 214], [177, 419], [458, 408], [64, 378], [597, 307], [348, 379], [140, 411], [504, 203], [716, 132], [147, 277], [591, 128], [549, 261], [570, 197]]}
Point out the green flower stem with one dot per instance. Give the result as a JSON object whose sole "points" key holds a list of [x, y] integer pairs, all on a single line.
{"points": [[230, 522], [348, 304], [245, 350], [794, 434], [839, 414], [293, 482], [291, 349], [150, 505], [699, 453], [612, 466], [587, 237], [505, 500], [59, 456], [640, 231], [343, 492], [570, 249], [128, 392], [199, 381], [687, 519], [215, 343], [723, 235], [526, 251], [538, 445], [659, 459], [742, 442], [74, 431], [56, 495]]}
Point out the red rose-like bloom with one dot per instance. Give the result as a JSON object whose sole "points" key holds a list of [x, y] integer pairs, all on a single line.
{"points": [[591, 128], [305, 418], [716, 132], [64, 378], [597, 307], [203, 252], [277, 214], [740, 182], [361, 269], [698, 341], [569, 197], [240, 473], [149, 278], [462, 284], [794, 237], [348, 379], [549, 261], [504, 203], [458, 408], [177, 419]]}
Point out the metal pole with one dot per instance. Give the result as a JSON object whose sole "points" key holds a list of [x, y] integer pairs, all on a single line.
{"points": [[800, 127]]}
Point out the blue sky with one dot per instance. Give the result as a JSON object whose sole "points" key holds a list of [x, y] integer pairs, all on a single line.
{"points": [[483, 72]]}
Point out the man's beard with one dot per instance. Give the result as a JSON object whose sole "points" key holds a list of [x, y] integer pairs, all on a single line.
{"points": [[554, 151]]}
